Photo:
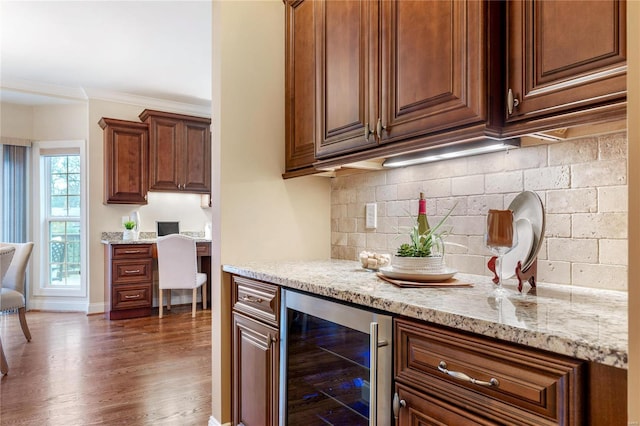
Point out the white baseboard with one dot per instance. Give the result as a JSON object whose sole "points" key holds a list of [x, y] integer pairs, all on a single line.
{"points": [[51, 304], [215, 422]]}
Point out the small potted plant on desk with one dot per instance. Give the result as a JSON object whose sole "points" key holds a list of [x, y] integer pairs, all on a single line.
{"points": [[129, 231]]}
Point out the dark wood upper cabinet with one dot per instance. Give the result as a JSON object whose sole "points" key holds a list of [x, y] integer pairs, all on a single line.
{"points": [[434, 63], [566, 62], [180, 152], [406, 71], [300, 85], [347, 75], [126, 161]]}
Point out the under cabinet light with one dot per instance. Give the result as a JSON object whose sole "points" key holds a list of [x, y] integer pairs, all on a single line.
{"points": [[445, 153]]}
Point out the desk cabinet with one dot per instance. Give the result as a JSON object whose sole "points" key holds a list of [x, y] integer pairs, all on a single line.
{"points": [[256, 352], [129, 280]]}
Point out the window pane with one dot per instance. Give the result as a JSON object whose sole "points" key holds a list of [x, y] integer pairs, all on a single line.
{"points": [[74, 205], [58, 205], [58, 184], [74, 184], [74, 164]]}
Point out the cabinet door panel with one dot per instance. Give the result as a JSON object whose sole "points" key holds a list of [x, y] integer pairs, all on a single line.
{"points": [[300, 84], [433, 66], [565, 55], [347, 74], [422, 409], [255, 372], [126, 156], [197, 151], [165, 153]]}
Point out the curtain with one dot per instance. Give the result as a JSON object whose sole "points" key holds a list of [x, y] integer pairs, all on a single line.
{"points": [[14, 193]]}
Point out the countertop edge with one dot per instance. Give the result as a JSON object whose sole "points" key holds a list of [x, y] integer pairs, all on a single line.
{"points": [[574, 347]]}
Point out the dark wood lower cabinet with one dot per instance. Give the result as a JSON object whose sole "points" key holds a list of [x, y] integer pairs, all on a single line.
{"points": [[448, 377], [255, 372], [256, 352]]}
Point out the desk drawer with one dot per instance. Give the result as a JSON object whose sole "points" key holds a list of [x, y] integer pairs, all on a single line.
{"points": [[130, 251], [523, 386], [203, 249], [257, 299], [131, 271], [131, 296]]}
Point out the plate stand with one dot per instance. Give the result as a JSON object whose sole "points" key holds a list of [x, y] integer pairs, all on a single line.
{"points": [[528, 275]]}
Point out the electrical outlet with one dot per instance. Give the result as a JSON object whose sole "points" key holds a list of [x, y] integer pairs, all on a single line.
{"points": [[371, 216]]}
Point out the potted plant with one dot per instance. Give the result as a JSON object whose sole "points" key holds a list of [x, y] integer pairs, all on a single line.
{"points": [[425, 251], [129, 231]]}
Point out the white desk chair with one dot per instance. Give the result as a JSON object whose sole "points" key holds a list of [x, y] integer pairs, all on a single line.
{"points": [[178, 269]]}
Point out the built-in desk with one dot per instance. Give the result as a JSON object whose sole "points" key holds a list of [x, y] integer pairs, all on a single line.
{"points": [[129, 267]]}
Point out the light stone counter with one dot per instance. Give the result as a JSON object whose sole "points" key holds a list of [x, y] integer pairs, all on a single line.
{"points": [[145, 238], [584, 323]]}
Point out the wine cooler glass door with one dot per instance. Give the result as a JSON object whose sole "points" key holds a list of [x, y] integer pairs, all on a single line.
{"points": [[336, 364]]}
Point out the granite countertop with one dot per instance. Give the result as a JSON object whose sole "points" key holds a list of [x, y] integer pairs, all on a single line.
{"points": [[587, 324], [145, 238]]}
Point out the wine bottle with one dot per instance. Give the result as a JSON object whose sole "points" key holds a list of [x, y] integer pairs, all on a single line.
{"points": [[423, 223]]}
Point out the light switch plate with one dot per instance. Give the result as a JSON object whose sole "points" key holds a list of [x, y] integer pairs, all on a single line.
{"points": [[371, 216]]}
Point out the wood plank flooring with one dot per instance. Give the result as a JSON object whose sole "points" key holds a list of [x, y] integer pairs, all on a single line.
{"points": [[87, 370]]}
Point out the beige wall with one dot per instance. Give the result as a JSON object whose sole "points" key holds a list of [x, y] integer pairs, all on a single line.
{"points": [[582, 184], [257, 215], [16, 121], [633, 113]]}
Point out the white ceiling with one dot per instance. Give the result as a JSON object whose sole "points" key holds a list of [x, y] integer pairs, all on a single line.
{"points": [[74, 49]]}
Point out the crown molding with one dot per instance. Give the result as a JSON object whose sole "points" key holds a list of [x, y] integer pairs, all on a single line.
{"points": [[202, 109], [38, 93]]}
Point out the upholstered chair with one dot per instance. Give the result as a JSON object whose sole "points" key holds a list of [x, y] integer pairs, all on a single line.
{"points": [[6, 255], [12, 297], [178, 269]]}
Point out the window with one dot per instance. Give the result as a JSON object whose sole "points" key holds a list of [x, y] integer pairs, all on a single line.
{"points": [[59, 225], [62, 220]]}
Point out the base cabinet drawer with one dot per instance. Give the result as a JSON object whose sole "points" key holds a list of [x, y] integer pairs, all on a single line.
{"points": [[132, 271], [131, 296], [256, 299], [522, 386]]}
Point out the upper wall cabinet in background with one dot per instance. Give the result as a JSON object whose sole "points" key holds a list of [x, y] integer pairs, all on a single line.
{"points": [[566, 63], [180, 152], [126, 161]]}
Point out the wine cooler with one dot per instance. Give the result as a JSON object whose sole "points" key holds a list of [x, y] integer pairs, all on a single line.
{"points": [[335, 363]]}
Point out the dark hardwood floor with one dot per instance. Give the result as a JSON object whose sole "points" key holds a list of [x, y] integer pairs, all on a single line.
{"points": [[86, 370]]}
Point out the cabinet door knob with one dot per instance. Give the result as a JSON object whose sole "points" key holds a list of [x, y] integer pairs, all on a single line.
{"points": [[511, 102], [380, 128], [397, 404], [367, 132]]}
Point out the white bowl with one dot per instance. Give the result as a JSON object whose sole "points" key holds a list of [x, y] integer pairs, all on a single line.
{"points": [[423, 264]]}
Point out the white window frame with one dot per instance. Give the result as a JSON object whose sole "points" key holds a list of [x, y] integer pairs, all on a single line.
{"points": [[41, 239]]}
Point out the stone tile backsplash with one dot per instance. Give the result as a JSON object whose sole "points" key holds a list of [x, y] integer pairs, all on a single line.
{"points": [[582, 184]]}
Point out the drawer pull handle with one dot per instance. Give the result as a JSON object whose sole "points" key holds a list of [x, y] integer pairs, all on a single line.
{"points": [[134, 271], [247, 298], [458, 375], [132, 251], [128, 296]]}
